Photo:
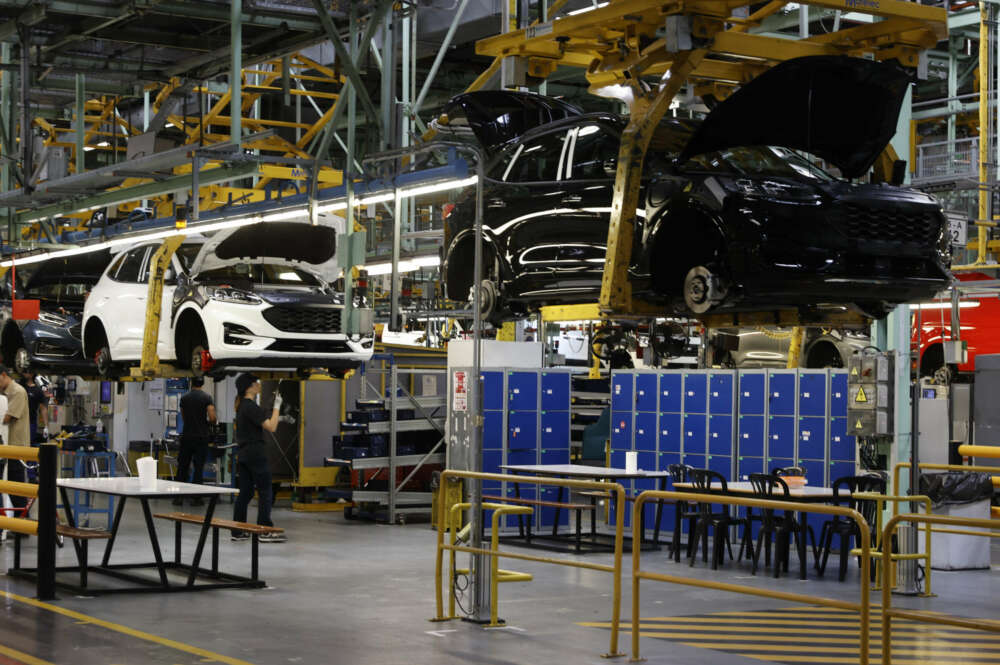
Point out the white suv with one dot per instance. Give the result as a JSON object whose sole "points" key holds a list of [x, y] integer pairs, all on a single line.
{"points": [[254, 297]]}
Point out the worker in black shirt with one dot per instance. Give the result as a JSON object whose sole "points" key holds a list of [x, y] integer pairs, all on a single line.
{"points": [[197, 411], [253, 467], [37, 404]]}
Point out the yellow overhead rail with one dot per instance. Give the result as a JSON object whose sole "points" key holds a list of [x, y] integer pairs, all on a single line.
{"points": [[620, 46]]}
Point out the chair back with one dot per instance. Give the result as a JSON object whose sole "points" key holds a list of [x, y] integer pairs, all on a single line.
{"points": [[679, 473], [702, 479], [789, 471], [854, 484], [765, 486]]}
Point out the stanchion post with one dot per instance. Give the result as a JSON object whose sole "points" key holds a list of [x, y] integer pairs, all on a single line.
{"points": [[47, 464]]}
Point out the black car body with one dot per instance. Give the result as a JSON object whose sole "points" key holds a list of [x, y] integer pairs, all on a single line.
{"points": [[53, 343], [731, 217]]}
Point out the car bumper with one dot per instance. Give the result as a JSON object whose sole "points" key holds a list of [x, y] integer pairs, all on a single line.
{"points": [[55, 348]]}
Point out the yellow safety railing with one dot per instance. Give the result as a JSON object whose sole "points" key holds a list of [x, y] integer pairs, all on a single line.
{"points": [[888, 612], [882, 575], [949, 467], [615, 568], [45, 526], [496, 575], [862, 607]]}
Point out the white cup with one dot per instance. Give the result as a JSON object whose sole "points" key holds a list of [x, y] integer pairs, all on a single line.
{"points": [[147, 473], [631, 461]]}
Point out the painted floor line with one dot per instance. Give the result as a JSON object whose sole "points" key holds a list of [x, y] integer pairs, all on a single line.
{"points": [[210, 656], [19, 658]]}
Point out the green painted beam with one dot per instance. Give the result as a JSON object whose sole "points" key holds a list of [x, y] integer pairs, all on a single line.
{"points": [[138, 192]]}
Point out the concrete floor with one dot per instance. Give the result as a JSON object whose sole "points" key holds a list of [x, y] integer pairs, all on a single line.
{"points": [[355, 592]]}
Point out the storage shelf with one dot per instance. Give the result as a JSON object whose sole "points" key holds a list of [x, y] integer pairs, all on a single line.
{"points": [[579, 394], [359, 463], [418, 425], [401, 497]]}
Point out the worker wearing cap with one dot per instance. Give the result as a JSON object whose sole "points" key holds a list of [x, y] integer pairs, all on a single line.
{"points": [[253, 467]]}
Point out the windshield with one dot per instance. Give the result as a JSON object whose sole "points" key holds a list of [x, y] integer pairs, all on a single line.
{"points": [[759, 161], [248, 275], [186, 255], [72, 289]]}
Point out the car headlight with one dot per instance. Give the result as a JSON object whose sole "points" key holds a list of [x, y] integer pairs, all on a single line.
{"points": [[54, 320], [235, 296], [775, 191]]}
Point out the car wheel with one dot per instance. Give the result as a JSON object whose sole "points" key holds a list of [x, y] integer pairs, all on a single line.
{"points": [[489, 299], [200, 360], [22, 360], [102, 359], [703, 290]]}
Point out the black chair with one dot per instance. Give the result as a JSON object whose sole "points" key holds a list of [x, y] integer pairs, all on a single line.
{"points": [[679, 473], [782, 528], [846, 529], [788, 471], [720, 522]]}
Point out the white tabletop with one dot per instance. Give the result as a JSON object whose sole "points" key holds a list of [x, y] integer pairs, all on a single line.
{"points": [[744, 487], [130, 487], [581, 471]]}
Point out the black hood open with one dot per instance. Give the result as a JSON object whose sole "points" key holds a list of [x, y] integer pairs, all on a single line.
{"points": [[841, 109], [498, 116], [291, 241]]}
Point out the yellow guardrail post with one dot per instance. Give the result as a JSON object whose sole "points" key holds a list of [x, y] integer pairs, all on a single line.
{"points": [[863, 607], [916, 615], [614, 489], [498, 512], [887, 570]]}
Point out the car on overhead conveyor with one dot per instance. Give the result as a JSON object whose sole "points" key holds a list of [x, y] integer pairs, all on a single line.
{"points": [[53, 342], [254, 297], [735, 213]]}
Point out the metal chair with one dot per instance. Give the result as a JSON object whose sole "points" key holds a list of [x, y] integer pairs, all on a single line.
{"points": [[781, 528], [680, 473], [844, 528], [720, 522], [788, 471]]}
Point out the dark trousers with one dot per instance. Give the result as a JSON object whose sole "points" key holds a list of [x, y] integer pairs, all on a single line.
{"points": [[253, 471], [15, 473], [193, 448]]}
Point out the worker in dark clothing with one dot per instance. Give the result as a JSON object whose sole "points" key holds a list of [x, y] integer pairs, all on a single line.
{"points": [[253, 468], [37, 405], [197, 411]]}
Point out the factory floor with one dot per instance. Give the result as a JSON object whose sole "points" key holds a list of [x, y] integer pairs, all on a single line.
{"points": [[354, 592]]}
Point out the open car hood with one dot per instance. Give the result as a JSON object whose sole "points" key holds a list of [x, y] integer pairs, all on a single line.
{"points": [[495, 117], [841, 109], [313, 247]]}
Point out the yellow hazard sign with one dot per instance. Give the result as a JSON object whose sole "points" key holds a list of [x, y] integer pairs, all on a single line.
{"points": [[854, 371], [861, 396], [858, 424]]}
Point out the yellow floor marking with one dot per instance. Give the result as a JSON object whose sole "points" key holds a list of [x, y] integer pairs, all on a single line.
{"points": [[792, 658], [896, 639], [22, 657], [782, 649], [125, 630], [777, 623], [896, 630]]}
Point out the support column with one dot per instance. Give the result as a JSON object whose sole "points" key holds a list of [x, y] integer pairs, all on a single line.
{"points": [[27, 168], [236, 69], [80, 123], [350, 323], [8, 140]]}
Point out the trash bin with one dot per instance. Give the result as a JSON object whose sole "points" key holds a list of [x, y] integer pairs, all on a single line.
{"points": [[958, 494]]}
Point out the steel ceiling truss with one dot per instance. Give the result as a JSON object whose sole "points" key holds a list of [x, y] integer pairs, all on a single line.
{"points": [[634, 44]]}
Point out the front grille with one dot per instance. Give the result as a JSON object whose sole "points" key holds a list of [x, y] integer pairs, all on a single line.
{"points": [[897, 225], [304, 319], [76, 331], [309, 346]]}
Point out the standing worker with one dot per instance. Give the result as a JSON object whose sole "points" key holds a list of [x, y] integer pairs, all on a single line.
{"points": [[197, 411], [37, 404], [253, 467], [17, 419]]}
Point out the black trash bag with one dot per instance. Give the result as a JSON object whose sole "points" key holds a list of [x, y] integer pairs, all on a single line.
{"points": [[955, 488]]}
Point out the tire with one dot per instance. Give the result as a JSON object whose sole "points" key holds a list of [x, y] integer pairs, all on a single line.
{"points": [[195, 358], [21, 360], [104, 362]]}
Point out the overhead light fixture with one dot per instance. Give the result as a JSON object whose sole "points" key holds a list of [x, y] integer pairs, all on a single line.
{"points": [[584, 10], [965, 304], [284, 215], [404, 193], [426, 261]]}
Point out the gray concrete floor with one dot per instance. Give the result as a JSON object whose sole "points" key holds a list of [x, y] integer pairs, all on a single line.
{"points": [[356, 592]]}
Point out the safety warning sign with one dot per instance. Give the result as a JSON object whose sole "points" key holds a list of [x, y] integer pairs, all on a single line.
{"points": [[460, 396], [861, 397]]}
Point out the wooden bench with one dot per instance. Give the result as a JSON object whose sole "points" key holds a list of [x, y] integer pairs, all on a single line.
{"points": [[560, 505], [255, 530], [81, 537]]}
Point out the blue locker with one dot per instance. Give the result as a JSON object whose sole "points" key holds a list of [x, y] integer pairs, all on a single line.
{"points": [[646, 460], [621, 392], [555, 391], [812, 394], [774, 463], [548, 514], [838, 394], [645, 431], [781, 436], [521, 456], [555, 456], [840, 470], [720, 435], [522, 429], [721, 464], [493, 391], [617, 459], [815, 471], [670, 432], [753, 393], [781, 394], [812, 438], [750, 441], [747, 465], [492, 459], [621, 431], [492, 430], [645, 392], [695, 393], [695, 433], [555, 429], [649, 509], [525, 491], [692, 459], [522, 391], [842, 444], [666, 459], [720, 394], [671, 391]]}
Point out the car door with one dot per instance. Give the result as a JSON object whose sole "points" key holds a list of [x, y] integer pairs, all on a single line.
{"points": [[123, 306]]}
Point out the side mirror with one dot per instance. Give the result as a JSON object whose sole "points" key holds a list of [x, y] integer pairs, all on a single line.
{"points": [[169, 275], [898, 176], [610, 167]]}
